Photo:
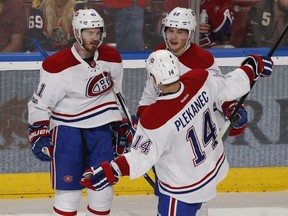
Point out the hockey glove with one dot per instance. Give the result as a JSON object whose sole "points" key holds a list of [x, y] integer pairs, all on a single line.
{"points": [[39, 138], [101, 177], [268, 63], [261, 65], [124, 135], [240, 124]]}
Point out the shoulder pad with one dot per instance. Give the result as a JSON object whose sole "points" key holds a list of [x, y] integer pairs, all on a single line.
{"points": [[197, 57], [109, 54], [60, 61], [161, 47]]}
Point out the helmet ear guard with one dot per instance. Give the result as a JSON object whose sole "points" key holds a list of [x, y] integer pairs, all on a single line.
{"points": [[87, 18], [164, 66]]}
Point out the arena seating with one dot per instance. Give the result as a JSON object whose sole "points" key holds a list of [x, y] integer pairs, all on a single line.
{"points": [[240, 10]]}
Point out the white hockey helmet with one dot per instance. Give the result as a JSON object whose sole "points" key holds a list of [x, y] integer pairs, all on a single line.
{"points": [[180, 18], [164, 66], [87, 18]]}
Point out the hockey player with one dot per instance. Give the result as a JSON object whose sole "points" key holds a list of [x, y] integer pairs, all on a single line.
{"points": [[71, 112], [178, 33], [177, 133]]}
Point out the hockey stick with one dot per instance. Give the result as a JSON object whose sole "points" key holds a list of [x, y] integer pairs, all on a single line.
{"points": [[240, 102], [128, 115], [118, 95]]}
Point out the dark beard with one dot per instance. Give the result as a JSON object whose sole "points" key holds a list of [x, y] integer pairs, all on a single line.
{"points": [[91, 51]]}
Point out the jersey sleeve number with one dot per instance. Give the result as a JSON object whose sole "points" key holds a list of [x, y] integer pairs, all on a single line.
{"points": [[209, 136]]}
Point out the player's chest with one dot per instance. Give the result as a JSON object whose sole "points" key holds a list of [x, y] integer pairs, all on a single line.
{"points": [[91, 81]]}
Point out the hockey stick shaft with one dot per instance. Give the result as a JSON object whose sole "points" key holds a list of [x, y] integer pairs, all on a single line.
{"points": [[40, 48], [242, 99], [128, 115], [118, 95]]}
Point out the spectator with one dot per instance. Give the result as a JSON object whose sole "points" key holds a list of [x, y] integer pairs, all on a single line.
{"points": [[13, 25], [71, 113], [265, 23], [215, 33], [50, 23], [129, 20]]}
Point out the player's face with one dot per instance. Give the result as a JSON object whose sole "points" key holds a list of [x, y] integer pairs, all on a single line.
{"points": [[176, 39], [91, 39]]}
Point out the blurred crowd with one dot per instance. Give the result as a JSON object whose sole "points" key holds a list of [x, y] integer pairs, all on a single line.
{"points": [[137, 24]]}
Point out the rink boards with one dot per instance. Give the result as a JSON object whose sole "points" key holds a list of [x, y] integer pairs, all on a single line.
{"points": [[258, 158]]}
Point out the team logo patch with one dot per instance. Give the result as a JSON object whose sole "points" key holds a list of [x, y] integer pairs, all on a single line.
{"points": [[98, 85], [68, 178]]}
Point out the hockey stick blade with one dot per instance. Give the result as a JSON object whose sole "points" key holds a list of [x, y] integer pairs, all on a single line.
{"points": [[242, 99]]}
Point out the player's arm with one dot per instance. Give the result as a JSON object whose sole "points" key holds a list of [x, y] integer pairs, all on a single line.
{"points": [[238, 82], [39, 107], [148, 97], [134, 164]]}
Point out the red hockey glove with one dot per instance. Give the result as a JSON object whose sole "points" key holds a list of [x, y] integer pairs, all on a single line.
{"points": [[124, 135], [261, 65], [39, 138], [240, 124], [101, 177]]}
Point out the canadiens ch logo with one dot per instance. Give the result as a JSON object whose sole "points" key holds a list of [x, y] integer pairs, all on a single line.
{"points": [[68, 178], [99, 84]]}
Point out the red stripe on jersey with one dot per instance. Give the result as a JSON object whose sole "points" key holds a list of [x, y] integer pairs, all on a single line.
{"points": [[194, 57], [154, 116], [207, 177], [86, 111]]}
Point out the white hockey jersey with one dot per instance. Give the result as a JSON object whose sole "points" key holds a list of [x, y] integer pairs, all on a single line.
{"points": [[72, 93], [177, 133]]}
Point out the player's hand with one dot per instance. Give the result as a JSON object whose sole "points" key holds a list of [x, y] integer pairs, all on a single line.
{"points": [[126, 131], [241, 118], [268, 63], [204, 28], [261, 65], [101, 177], [39, 138], [124, 135]]}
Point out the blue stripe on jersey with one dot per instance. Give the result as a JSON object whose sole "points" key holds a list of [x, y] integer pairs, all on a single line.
{"points": [[192, 190], [84, 117]]}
